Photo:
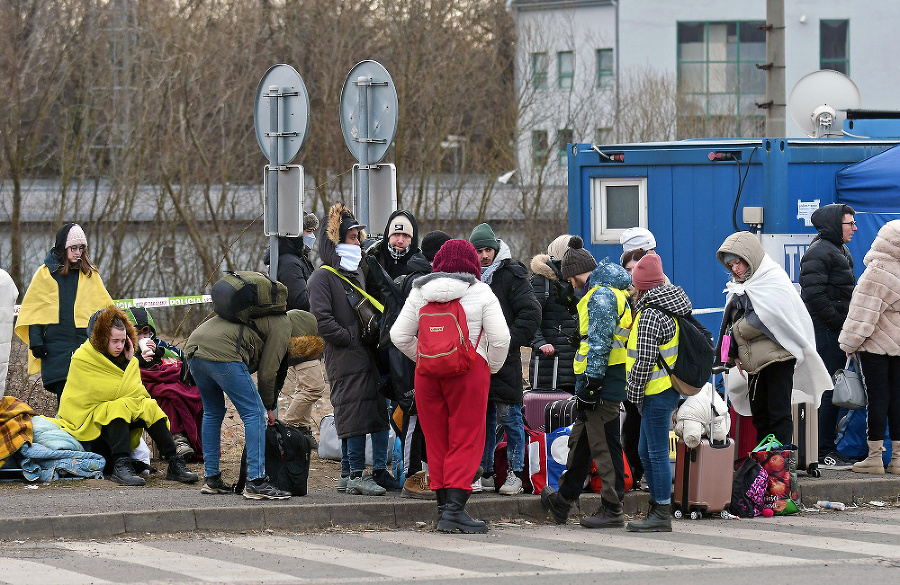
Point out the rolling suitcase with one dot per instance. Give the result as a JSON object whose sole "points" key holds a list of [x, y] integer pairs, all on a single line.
{"points": [[744, 434], [558, 414], [703, 478], [534, 401], [806, 437]]}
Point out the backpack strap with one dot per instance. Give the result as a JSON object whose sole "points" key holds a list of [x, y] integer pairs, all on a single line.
{"points": [[372, 299]]}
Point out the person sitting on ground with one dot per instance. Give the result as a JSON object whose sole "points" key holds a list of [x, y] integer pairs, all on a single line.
{"points": [[161, 366], [105, 403]]}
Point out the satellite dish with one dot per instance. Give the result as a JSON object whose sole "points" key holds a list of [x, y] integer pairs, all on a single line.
{"points": [[820, 100]]}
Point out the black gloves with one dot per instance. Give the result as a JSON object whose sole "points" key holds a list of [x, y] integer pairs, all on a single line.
{"points": [[39, 352], [587, 396]]}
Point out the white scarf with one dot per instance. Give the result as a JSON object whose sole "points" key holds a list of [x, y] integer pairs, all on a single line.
{"points": [[351, 256], [780, 308]]}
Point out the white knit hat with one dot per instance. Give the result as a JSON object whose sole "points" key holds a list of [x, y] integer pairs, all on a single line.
{"points": [[76, 236], [637, 237]]}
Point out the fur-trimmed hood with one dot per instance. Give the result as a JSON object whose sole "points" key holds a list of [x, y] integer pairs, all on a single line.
{"points": [[540, 265], [99, 328], [333, 226]]}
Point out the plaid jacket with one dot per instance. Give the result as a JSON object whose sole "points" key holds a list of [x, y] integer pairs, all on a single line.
{"points": [[15, 426]]}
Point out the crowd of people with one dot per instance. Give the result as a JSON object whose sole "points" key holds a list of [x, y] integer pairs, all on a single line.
{"points": [[606, 332]]}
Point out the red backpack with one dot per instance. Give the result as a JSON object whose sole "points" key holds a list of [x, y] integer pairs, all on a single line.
{"points": [[444, 349]]}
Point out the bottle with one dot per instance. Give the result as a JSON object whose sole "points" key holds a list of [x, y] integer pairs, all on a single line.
{"points": [[830, 505]]}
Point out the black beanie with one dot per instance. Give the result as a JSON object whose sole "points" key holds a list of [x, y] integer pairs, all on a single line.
{"points": [[577, 260], [432, 242]]}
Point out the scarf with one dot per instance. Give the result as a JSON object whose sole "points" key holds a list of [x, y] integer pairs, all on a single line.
{"points": [[351, 256], [397, 254], [487, 273], [309, 240], [780, 308]]}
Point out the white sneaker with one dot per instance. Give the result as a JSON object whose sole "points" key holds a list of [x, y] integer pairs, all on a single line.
{"points": [[476, 487], [512, 486]]}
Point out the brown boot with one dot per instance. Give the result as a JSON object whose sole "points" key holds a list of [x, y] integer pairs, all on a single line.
{"points": [[873, 464], [894, 466]]}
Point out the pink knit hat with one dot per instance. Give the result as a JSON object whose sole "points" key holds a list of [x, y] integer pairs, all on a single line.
{"points": [[648, 273], [76, 236], [457, 256]]}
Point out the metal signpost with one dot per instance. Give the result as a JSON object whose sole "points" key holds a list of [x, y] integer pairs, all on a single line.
{"points": [[369, 122], [281, 118]]}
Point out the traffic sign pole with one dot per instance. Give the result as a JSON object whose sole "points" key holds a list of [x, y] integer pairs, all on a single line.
{"points": [[362, 84], [272, 195]]}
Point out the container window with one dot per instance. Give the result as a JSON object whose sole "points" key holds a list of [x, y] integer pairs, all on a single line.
{"points": [[616, 205]]}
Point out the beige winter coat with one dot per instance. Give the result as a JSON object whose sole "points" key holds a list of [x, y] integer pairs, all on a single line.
{"points": [[873, 322]]}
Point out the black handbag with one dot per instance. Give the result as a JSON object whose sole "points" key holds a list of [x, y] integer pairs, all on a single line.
{"points": [[368, 315]]}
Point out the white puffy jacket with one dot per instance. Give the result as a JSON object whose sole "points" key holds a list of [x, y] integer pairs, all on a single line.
{"points": [[693, 417], [483, 312], [8, 294]]}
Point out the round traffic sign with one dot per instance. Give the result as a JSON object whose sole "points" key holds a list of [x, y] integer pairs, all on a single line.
{"points": [[292, 102], [382, 110]]}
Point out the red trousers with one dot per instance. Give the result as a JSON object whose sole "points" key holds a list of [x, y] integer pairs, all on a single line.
{"points": [[452, 412]]}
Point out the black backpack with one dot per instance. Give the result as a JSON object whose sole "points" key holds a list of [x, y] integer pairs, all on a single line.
{"points": [[696, 354], [748, 489], [287, 459]]}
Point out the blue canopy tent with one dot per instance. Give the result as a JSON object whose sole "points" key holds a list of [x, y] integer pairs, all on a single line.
{"points": [[872, 188]]}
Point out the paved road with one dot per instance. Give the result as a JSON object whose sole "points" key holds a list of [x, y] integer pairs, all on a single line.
{"points": [[837, 547]]}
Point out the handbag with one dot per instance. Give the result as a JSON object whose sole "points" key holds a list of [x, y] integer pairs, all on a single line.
{"points": [[368, 310], [850, 386]]}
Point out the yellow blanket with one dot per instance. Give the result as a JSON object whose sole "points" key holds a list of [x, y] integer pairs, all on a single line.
{"points": [[40, 306], [98, 392]]}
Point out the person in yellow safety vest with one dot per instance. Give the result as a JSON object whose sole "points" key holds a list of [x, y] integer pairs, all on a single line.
{"points": [[654, 335], [604, 319]]}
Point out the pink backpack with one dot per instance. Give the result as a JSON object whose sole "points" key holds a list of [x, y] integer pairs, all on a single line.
{"points": [[444, 349]]}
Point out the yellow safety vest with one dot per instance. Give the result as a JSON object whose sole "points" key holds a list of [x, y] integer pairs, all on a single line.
{"points": [[620, 335], [659, 378]]}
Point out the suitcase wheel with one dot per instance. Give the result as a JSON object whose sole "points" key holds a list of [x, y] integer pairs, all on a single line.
{"points": [[813, 470], [678, 514], [695, 515]]}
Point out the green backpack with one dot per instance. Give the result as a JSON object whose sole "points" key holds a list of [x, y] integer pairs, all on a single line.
{"points": [[241, 296]]}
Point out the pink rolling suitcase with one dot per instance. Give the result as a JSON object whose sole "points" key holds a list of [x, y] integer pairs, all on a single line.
{"points": [[703, 478], [535, 401]]}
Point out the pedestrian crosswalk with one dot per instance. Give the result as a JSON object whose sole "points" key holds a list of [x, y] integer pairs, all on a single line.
{"points": [[702, 550]]}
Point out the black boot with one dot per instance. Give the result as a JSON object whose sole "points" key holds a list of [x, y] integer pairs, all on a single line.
{"points": [[178, 471], [454, 517], [659, 519], [556, 504], [608, 515], [123, 472], [441, 501]]}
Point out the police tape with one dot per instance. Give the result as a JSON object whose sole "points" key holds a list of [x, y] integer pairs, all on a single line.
{"points": [[148, 302]]}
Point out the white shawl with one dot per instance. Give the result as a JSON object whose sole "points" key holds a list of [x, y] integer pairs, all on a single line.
{"points": [[780, 308]]}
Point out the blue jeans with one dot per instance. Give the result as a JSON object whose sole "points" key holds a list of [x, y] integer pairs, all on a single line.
{"points": [[653, 445], [379, 452], [510, 418], [353, 454], [215, 380]]}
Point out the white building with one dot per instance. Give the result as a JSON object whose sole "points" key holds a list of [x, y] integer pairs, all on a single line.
{"points": [[678, 69]]}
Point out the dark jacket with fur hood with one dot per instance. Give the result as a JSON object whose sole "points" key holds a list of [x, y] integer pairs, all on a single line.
{"points": [[358, 407], [558, 326], [826, 270]]}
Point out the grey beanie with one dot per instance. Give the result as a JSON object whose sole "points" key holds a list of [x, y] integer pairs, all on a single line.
{"points": [[577, 260]]}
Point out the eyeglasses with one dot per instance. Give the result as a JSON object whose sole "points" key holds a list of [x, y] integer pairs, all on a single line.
{"points": [[850, 223], [77, 248]]}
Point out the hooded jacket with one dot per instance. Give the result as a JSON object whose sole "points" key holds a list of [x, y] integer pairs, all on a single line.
{"points": [[141, 318], [826, 270], [484, 317], [359, 409], [603, 314], [754, 343], [380, 250], [559, 325], [873, 320], [294, 269], [522, 312]]}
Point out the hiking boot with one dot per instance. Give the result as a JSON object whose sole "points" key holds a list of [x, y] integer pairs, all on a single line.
{"points": [[659, 519], [364, 486], [308, 433], [454, 517], [607, 515], [834, 461], [556, 504], [214, 485], [416, 486], [487, 482], [123, 473], [384, 478], [261, 489], [874, 463], [183, 446], [342, 483], [894, 465], [512, 485], [178, 471]]}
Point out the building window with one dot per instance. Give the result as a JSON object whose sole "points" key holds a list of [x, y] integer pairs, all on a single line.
{"points": [[564, 138], [834, 45], [539, 147], [603, 136], [718, 81], [605, 68], [616, 205], [167, 259], [539, 67], [565, 68]]}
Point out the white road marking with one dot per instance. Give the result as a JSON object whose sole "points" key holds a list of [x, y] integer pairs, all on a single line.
{"points": [[20, 571]]}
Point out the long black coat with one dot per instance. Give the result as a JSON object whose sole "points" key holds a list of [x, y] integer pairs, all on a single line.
{"points": [[523, 315], [352, 374], [826, 271], [294, 269], [558, 326]]}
